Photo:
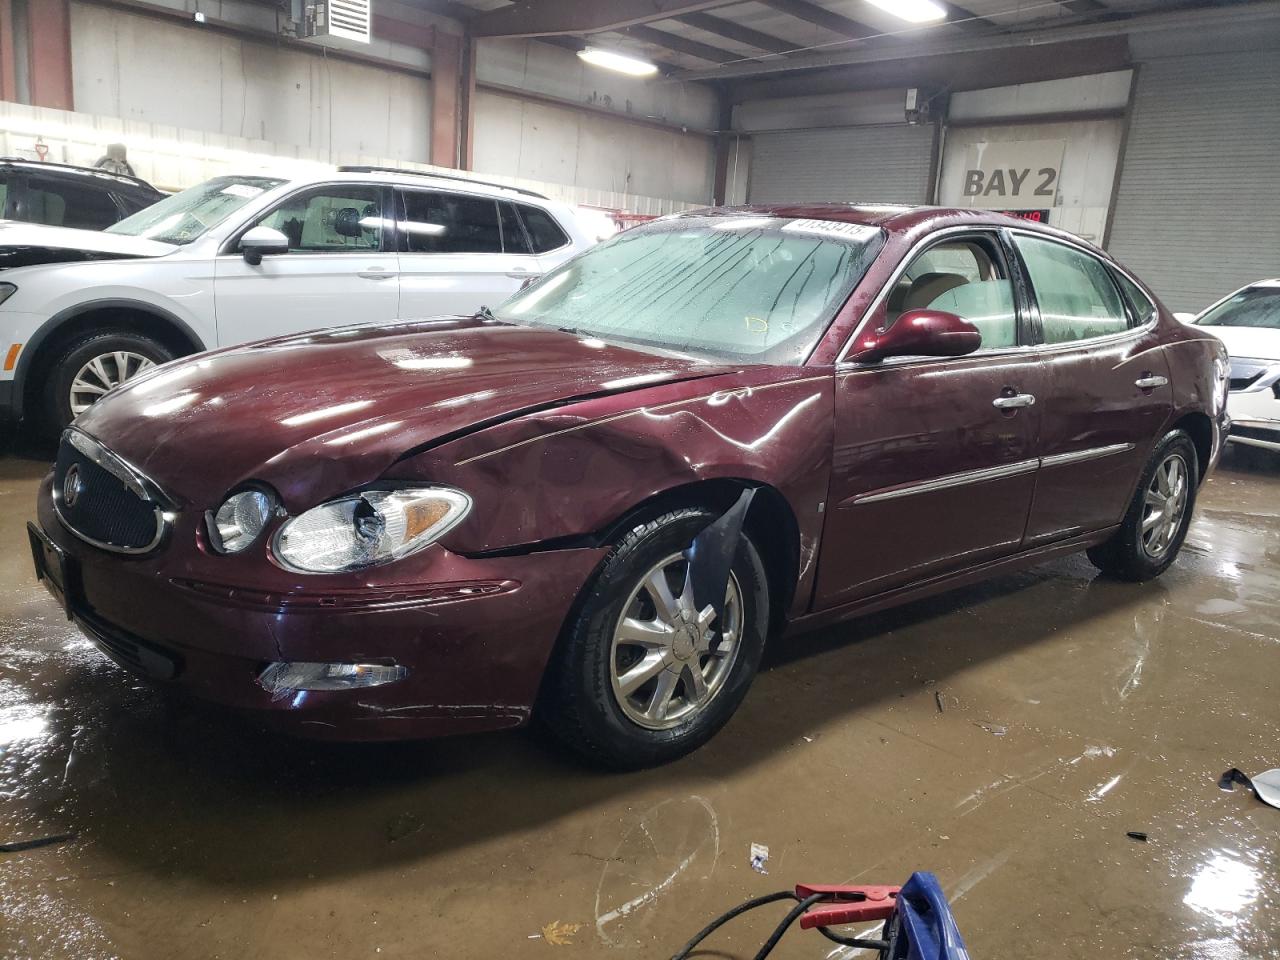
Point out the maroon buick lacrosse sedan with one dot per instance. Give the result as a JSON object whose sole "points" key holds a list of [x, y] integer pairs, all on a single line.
{"points": [[597, 502]]}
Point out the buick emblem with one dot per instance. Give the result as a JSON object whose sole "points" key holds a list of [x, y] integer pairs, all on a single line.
{"points": [[72, 486]]}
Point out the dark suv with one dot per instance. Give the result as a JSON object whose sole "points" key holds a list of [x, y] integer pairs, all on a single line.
{"points": [[62, 195]]}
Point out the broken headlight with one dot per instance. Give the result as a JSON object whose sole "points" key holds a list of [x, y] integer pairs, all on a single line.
{"points": [[369, 528]]}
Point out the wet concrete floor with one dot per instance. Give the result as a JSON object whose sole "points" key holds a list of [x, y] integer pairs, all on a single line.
{"points": [[1073, 709]]}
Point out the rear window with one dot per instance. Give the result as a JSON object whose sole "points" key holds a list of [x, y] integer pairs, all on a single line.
{"points": [[543, 230]]}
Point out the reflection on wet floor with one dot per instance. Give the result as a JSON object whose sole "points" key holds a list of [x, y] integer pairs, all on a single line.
{"points": [[1006, 736]]}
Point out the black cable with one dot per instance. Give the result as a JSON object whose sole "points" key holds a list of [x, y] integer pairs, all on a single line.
{"points": [[787, 921], [854, 941], [724, 918]]}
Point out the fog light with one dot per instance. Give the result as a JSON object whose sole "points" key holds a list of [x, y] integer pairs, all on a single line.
{"points": [[282, 679]]}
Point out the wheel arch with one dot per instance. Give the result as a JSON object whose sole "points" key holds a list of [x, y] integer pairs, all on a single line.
{"points": [[1199, 427], [771, 523], [134, 315]]}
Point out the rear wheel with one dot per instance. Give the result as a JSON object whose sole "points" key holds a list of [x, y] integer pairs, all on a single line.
{"points": [[1156, 523], [642, 676], [91, 365]]}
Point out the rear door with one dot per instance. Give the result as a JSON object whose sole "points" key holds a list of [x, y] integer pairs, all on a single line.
{"points": [[1107, 390], [458, 252], [935, 462], [341, 267]]}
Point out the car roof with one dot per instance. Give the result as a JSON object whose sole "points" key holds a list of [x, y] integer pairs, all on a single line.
{"points": [[405, 177], [897, 217], [47, 166]]}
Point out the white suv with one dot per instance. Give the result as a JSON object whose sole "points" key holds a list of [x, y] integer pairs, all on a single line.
{"points": [[241, 258]]}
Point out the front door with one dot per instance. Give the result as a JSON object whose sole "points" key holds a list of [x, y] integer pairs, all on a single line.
{"points": [[935, 460], [459, 252], [341, 268], [1107, 393]]}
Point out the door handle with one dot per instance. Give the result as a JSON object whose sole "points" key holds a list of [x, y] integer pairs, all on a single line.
{"points": [[1151, 381], [523, 275], [377, 273], [1014, 402]]}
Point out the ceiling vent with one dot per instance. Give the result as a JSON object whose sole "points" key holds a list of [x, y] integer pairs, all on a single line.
{"points": [[337, 23]]}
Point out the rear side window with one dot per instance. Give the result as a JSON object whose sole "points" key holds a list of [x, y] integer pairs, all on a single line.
{"points": [[436, 222], [1139, 302], [513, 235], [68, 204], [1075, 293], [545, 233]]}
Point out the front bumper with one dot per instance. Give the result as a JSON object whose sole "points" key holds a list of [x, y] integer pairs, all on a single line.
{"points": [[1255, 418], [476, 640]]}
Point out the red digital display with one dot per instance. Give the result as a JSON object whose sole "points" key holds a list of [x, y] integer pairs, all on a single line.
{"points": [[1038, 216]]}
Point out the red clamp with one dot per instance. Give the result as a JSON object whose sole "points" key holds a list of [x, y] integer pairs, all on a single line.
{"points": [[846, 904]]}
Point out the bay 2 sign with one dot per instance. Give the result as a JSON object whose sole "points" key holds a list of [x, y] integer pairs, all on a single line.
{"points": [[1012, 174]]}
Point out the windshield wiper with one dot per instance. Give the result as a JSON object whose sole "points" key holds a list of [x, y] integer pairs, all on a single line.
{"points": [[485, 313]]}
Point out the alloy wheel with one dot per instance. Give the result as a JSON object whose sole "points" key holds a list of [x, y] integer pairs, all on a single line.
{"points": [[1164, 506], [669, 660], [101, 374]]}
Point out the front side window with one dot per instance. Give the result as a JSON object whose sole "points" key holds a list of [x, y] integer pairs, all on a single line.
{"points": [[1075, 293], [966, 277], [754, 289], [1257, 307], [339, 219], [437, 222], [543, 229], [185, 216]]}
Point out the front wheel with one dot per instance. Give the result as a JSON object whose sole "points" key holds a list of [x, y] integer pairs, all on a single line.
{"points": [[642, 677], [1156, 523], [91, 365]]}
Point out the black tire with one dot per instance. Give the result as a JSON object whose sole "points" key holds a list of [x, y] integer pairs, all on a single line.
{"points": [[57, 409], [1125, 555], [578, 703]]}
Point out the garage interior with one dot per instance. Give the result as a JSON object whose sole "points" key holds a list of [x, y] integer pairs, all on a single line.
{"points": [[1048, 743]]}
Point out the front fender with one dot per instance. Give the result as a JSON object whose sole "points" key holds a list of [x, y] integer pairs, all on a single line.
{"points": [[573, 472]]}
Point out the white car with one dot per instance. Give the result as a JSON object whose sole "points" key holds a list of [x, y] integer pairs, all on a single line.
{"points": [[1248, 322], [241, 258]]}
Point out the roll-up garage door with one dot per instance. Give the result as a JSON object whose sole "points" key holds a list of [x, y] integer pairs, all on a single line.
{"points": [[1198, 210], [883, 164]]}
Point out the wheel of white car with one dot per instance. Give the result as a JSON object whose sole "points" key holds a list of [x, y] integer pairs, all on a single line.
{"points": [[94, 364], [641, 676]]}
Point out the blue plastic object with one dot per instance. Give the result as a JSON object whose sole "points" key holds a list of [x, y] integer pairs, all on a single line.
{"points": [[927, 929]]}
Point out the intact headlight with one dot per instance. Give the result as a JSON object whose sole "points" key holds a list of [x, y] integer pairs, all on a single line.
{"points": [[369, 528], [239, 521]]}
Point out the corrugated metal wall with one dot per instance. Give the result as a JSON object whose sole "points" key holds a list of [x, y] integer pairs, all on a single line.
{"points": [[883, 164], [1198, 210]]}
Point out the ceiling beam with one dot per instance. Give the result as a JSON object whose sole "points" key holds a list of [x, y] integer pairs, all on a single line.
{"points": [[733, 31], [967, 20], [1260, 11], [822, 17], [1083, 6], [532, 19], [678, 44]]}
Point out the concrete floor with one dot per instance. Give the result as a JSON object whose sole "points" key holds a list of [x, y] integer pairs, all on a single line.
{"points": [[1074, 709]]}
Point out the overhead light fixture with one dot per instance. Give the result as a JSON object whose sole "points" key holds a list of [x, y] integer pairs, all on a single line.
{"points": [[620, 62], [913, 11]]}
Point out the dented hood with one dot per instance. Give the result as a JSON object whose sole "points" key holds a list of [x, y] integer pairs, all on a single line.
{"points": [[317, 415], [24, 244]]}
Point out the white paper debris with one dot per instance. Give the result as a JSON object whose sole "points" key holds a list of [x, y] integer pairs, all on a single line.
{"points": [[759, 857]]}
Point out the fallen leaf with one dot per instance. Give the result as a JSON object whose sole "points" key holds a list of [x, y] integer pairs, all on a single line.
{"points": [[560, 934]]}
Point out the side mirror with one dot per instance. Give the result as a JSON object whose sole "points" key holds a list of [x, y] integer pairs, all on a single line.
{"points": [[918, 333], [260, 242]]}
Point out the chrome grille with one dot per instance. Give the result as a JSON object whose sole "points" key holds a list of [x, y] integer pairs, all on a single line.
{"points": [[105, 501]]}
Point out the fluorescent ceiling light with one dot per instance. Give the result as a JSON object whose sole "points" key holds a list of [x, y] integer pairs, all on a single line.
{"points": [[618, 61], [914, 11]]}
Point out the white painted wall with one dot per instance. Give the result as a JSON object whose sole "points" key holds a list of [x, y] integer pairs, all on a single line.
{"points": [[529, 139], [143, 68], [526, 138]]}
